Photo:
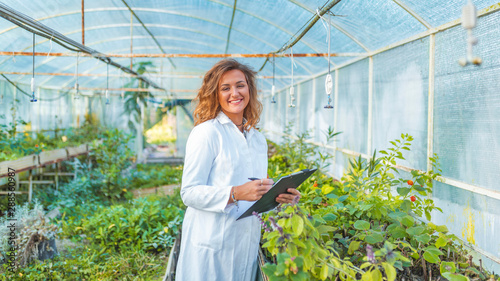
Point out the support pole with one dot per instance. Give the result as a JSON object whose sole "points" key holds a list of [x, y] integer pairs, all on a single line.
{"points": [[370, 106], [30, 188], [57, 176], [83, 22], [430, 101]]}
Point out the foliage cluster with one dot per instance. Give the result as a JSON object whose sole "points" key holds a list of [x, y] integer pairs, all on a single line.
{"points": [[127, 241], [31, 227], [85, 263], [367, 226], [148, 224], [146, 176], [16, 144]]}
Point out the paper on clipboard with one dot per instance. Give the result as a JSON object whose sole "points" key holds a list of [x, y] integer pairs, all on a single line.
{"points": [[268, 200]]}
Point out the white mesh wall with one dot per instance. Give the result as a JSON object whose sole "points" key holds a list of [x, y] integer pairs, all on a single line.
{"points": [[352, 107], [467, 102], [400, 91]]}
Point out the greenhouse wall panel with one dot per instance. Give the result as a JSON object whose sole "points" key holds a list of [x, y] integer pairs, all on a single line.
{"points": [[352, 107], [473, 217], [466, 119], [400, 94], [306, 108]]}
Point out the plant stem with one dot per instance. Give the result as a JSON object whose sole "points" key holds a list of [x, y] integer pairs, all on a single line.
{"points": [[424, 267]]}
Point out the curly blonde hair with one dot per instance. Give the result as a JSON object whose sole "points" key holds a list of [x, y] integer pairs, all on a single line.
{"points": [[208, 106]]}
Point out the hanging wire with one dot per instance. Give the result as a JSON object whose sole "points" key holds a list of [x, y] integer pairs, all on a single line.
{"points": [[273, 89], [33, 98], [328, 80], [292, 90], [77, 86], [107, 83]]}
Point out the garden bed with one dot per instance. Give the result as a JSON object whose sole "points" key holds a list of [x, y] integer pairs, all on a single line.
{"points": [[160, 190], [43, 158]]}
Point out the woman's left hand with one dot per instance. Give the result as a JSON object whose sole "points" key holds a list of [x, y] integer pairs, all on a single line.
{"points": [[287, 197]]}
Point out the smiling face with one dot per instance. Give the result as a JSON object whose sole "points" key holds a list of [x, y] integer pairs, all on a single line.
{"points": [[233, 94]]}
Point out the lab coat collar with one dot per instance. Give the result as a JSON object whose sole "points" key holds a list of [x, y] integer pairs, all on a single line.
{"points": [[223, 119]]}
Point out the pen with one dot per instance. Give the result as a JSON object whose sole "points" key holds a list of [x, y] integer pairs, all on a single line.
{"points": [[253, 179]]}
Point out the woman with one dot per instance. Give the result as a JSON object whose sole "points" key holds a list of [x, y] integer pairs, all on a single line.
{"points": [[223, 151]]}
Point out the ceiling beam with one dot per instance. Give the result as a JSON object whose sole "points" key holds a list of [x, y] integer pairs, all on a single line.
{"points": [[31, 25], [3, 53]]}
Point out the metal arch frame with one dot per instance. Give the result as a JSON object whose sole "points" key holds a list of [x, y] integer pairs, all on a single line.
{"points": [[414, 14], [333, 25], [400, 3], [178, 14], [35, 27], [266, 21], [147, 30], [160, 26], [87, 59], [72, 65], [155, 25], [230, 26], [120, 59], [166, 12]]}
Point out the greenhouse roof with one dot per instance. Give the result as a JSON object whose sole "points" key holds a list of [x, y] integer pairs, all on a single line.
{"points": [[179, 37]]}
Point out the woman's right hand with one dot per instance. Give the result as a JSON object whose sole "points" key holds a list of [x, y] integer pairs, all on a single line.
{"points": [[252, 190]]}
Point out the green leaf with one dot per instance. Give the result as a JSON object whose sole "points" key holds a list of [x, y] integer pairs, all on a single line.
{"points": [[418, 188], [326, 189], [324, 272], [447, 267], [403, 191], [415, 230], [332, 196], [397, 215], [408, 221], [430, 257], [406, 205], [454, 276], [423, 238], [442, 228], [317, 200], [362, 225], [343, 198], [297, 224], [376, 275], [329, 217], [374, 238], [390, 271], [434, 250], [441, 242], [353, 247]]}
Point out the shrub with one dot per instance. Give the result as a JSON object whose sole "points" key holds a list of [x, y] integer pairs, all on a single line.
{"points": [[367, 226], [148, 224]]}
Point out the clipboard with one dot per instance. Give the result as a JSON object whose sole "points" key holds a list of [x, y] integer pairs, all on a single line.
{"points": [[268, 201]]}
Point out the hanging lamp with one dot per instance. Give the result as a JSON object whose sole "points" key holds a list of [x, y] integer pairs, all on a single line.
{"points": [[77, 86], [273, 89], [328, 80], [33, 98], [107, 83], [292, 90], [469, 18]]}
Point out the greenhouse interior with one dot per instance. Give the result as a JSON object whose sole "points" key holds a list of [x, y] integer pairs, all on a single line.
{"points": [[394, 102]]}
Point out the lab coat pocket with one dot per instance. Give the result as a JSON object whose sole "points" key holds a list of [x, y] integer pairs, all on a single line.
{"points": [[208, 230]]}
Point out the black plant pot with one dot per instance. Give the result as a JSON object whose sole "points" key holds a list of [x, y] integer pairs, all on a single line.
{"points": [[47, 249]]}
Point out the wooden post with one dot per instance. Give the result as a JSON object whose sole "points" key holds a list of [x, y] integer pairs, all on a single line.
{"points": [[75, 167], [30, 190], [17, 181], [57, 175]]}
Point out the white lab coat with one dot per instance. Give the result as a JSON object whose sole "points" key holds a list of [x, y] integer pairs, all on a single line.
{"points": [[214, 246]]}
